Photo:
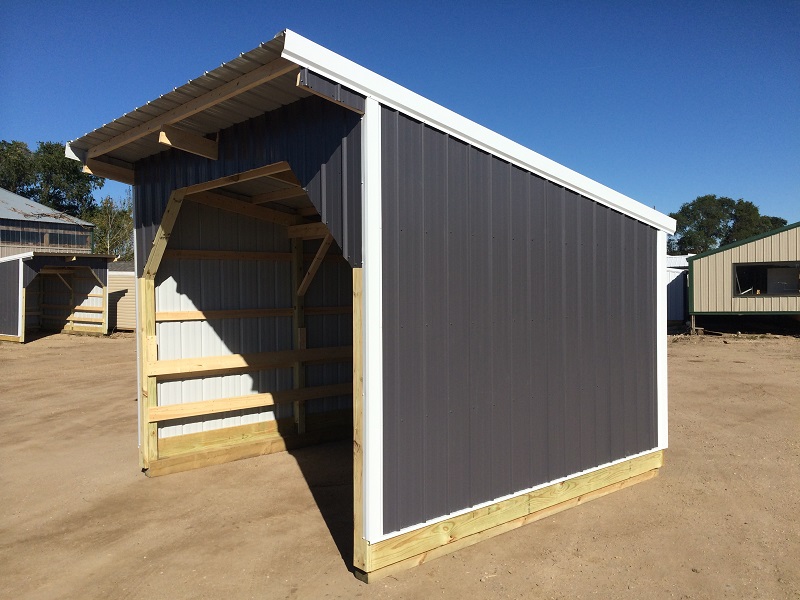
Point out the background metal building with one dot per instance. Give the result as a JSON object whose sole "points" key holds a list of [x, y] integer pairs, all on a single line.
{"points": [[317, 246], [759, 275], [26, 225]]}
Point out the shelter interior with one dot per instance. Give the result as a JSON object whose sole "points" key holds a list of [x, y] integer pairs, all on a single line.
{"points": [[247, 328]]}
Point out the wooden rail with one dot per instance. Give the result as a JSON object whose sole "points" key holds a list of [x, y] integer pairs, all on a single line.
{"points": [[185, 368], [209, 407]]}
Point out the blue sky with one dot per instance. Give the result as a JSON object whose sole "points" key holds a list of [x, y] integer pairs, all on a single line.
{"points": [[662, 101]]}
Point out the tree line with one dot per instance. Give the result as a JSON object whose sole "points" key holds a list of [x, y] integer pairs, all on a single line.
{"points": [[48, 177], [711, 221]]}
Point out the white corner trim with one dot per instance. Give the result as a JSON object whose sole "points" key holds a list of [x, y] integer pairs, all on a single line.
{"points": [[373, 321], [661, 338], [306, 53], [21, 301]]}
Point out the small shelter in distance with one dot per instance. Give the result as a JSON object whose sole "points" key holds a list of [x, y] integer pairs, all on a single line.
{"points": [[49, 280], [323, 253]]}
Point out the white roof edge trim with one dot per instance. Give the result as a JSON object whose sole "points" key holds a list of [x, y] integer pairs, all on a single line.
{"points": [[22, 256], [311, 55]]}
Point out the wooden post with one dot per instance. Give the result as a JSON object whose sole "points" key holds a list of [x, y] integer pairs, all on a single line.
{"points": [[693, 330], [359, 543], [148, 352], [299, 326]]}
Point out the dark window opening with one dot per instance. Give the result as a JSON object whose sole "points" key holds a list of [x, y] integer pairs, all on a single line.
{"points": [[773, 279]]}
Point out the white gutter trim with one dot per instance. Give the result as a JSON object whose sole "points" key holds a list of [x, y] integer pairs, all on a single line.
{"points": [[22, 256], [306, 53]]}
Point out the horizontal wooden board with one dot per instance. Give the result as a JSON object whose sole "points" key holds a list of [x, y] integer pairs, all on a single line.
{"points": [[208, 407], [184, 368], [414, 544]]}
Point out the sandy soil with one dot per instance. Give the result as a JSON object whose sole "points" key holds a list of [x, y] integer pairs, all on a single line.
{"points": [[78, 520]]}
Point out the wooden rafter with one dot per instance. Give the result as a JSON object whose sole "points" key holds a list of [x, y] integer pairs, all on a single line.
{"points": [[109, 171], [217, 200], [188, 142], [308, 231], [224, 92], [315, 263], [286, 194], [266, 171]]}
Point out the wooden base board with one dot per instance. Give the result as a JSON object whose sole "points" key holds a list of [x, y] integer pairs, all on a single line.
{"points": [[439, 539], [196, 450], [10, 338]]}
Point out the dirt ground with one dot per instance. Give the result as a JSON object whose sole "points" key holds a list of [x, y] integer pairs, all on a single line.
{"points": [[78, 519]]}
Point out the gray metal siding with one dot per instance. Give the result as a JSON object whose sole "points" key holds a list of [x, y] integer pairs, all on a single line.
{"points": [[9, 298], [320, 140], [331, 89], [519, 328]]}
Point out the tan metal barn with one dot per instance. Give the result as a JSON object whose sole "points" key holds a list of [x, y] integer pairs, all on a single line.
{"points": [[757, 276], [121, 296]]}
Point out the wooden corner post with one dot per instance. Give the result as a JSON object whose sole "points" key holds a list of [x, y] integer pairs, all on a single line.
{"points": [[359, 543]]}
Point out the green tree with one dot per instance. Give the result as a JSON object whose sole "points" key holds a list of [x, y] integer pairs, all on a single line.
{"points": [[48, 177], [16, 167], [113, 232], [710, 221], [60, 182]]}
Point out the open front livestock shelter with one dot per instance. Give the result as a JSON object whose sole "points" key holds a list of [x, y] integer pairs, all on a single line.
{"points": [[322, 252], [756, 276], [26, 225], [53, 292]]}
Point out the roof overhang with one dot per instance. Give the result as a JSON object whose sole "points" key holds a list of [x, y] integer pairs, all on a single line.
{"points": [[266, 78]]}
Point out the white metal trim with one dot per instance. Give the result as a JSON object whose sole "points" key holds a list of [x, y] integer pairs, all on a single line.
{"points": [[308, 54], [21, 301], [23, 256], [372, 235], [661, 338]]}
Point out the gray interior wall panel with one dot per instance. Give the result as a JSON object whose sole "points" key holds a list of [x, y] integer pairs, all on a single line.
{"points": [[519, 328], [9, 297], [320, 140]]}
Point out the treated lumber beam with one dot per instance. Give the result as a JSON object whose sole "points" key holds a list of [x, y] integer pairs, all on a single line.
{"points": [[315, 264], [308, 231], [224, 92], [328, 310], [203, 449], [253, 211], [417, 546], [270, 170], [109, 171], [226, 255], [188, 142], [162, 235], [206, 315], [185, 368], [287, 194], [210, 407], [359, 543]]}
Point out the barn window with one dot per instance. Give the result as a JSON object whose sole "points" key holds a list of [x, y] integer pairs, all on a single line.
{"points": [[767, 279]]}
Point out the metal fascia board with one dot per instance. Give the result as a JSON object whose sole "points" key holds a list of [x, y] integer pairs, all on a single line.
{"points": [[308, 54]]}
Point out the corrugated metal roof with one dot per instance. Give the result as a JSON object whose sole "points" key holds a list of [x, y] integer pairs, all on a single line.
{"points": [[19, 208], [264, 98]]}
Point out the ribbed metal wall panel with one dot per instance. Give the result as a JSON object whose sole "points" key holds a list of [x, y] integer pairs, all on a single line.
{"points": [[519, 328], [193, 284], [320, 140], [335, 91], [121, 300], [712, 277], [9, 297]]}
